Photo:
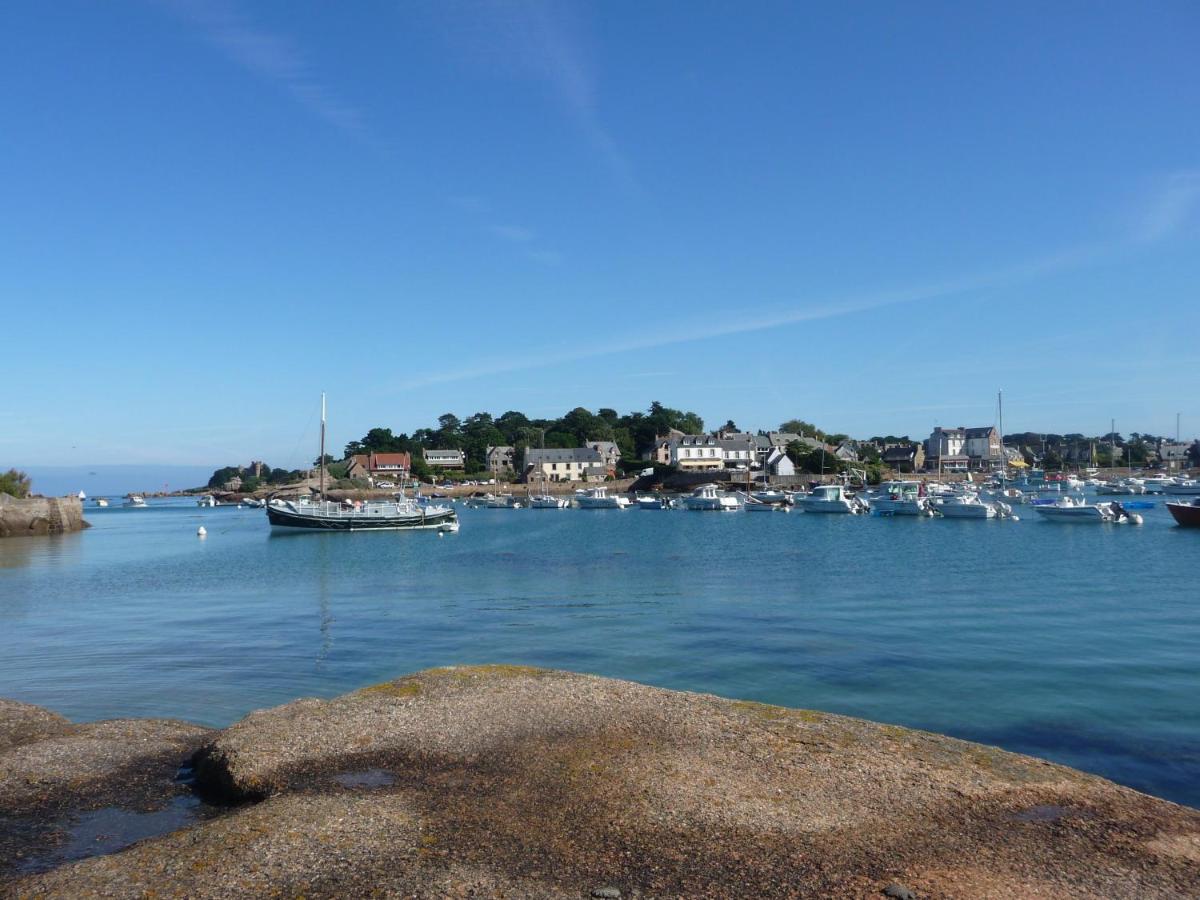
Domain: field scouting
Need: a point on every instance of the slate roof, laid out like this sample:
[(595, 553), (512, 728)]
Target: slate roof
[(535, 457)]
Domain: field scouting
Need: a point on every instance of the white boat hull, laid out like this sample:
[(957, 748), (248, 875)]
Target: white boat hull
[(711, 504), (548, 502), (887, 507), (967, 510), (602, 502), (1187, 489), (825, 506)]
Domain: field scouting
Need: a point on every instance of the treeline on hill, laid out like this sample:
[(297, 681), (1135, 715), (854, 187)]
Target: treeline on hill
[(1056, 451), (632, 433), (250, 482)]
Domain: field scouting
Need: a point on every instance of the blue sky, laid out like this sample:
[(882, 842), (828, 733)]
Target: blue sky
[(872, 217)]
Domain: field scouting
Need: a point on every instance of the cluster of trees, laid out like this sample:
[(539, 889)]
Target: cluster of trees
[(1056, 451), (14, 483), (266, 476), (632, 433)]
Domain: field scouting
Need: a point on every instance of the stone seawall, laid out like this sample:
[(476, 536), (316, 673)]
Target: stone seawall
[(40, 515)]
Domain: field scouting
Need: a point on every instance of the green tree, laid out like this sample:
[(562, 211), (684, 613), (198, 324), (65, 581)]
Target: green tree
[(222, 475), (802, 428), (251, 483), (14, 483), (814, 460)]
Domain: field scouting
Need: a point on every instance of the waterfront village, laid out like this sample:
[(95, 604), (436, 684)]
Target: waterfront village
[(583, 447)]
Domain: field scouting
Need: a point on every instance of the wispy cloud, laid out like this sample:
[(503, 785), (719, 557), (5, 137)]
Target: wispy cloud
[(1171, 206), (543, 40), (661, 335), (545, 257), (515, 233), (273, 57)]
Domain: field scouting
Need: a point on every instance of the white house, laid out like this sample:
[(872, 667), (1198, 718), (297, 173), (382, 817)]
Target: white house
[(696, 452), (944, 450), (445, 459), (739, 452)]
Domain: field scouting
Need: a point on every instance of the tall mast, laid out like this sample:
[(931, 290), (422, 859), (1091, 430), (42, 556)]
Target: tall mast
[(1112, 442), (322, 459), (1003, 452)]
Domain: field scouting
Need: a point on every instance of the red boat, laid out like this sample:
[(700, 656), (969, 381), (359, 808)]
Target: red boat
[(1186, 514)]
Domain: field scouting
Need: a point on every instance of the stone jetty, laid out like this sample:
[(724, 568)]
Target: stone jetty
[(497, 781), (40, 515)]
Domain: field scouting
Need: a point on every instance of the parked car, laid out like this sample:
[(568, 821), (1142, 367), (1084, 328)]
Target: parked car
[(384, 484)]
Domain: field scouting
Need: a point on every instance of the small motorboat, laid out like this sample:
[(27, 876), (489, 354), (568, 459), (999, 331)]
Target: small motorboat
[(774, 497), (598, 498), (753, 504), (654, 501), (709, 497), (548, 501), (900, 498), (1068, 509), (1183, 487), (964, 506), (207, 501), (1186, 514), (831, 498), (135, 501), (101, 501)]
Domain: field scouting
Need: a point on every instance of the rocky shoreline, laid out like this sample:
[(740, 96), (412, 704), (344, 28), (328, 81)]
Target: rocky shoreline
[(493, 781)]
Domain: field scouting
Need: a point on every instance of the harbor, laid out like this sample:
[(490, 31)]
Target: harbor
[(1068, 642)]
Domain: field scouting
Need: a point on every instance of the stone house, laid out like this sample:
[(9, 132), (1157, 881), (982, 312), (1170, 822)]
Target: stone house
[(499, 460), (609, 452), (904, 457), (571, 464)]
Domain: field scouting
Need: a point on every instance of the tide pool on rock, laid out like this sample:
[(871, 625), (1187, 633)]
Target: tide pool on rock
[(1078, 645)]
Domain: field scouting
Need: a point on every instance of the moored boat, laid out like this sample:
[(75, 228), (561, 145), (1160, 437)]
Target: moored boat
[(654, 501), (1183, 487), (548, 501), (831, 498), (401, 513), (964, 506), (709, 497), (1186, 514), (1068, 509), (378, 515), (899, 498), (598, 498)]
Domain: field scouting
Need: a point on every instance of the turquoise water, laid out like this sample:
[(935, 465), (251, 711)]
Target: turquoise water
[(1080, 643)]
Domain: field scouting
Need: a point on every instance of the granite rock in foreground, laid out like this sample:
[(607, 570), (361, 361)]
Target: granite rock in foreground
[(498, 781)]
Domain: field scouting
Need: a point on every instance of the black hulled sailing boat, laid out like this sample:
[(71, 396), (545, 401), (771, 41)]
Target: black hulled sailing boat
[(373, 515)]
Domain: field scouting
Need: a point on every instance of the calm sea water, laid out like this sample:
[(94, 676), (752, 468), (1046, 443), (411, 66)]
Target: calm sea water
[(1079, 643)]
